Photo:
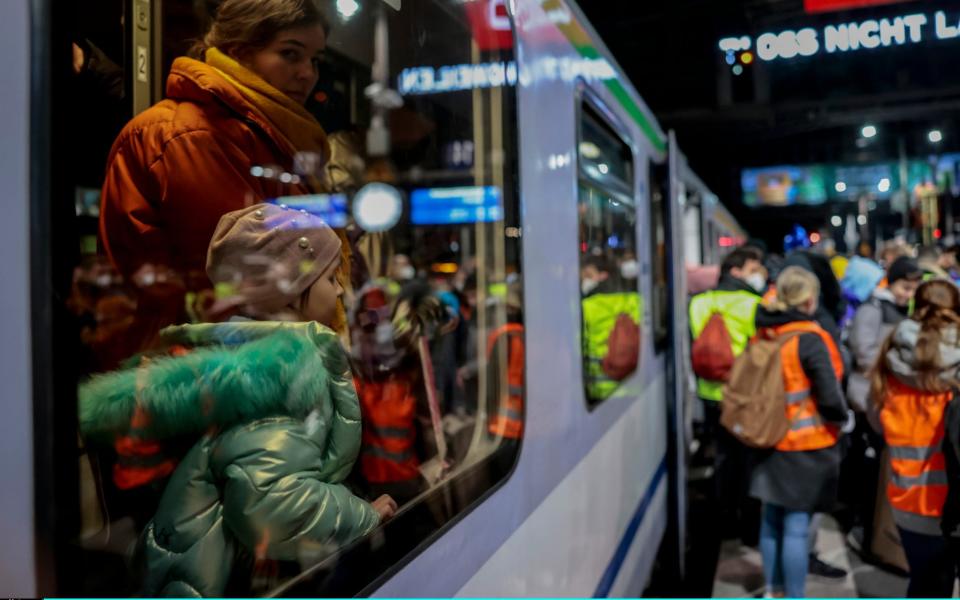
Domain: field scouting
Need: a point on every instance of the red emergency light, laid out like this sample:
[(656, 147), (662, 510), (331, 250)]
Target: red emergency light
[(821, 6)]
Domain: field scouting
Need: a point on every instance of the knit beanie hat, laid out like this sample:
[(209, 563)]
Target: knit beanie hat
[(904, 268), (270, 254)]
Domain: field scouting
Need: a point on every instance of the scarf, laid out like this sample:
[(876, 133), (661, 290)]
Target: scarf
[(290, 120)]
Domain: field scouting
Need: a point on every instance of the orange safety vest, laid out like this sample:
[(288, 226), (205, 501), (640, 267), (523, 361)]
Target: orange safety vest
[(140, 460), (913, 428), (389, 409), (507, 421), (807, 429)]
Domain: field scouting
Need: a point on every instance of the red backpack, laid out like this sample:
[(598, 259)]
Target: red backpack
[(623, 349), (712, 353)]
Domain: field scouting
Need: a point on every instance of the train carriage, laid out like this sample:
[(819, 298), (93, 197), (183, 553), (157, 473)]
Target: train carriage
[(513, 109)]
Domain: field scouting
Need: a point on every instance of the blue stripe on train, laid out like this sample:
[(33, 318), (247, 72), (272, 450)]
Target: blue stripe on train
[(613, 569)]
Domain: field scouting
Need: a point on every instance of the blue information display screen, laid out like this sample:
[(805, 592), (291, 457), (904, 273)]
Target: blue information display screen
[(332, 208), (448, 206)]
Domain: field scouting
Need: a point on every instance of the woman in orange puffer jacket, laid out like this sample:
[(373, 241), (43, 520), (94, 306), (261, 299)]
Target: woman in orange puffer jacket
[(179, 166)]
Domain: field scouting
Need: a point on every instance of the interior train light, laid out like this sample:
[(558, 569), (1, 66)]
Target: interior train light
[(589, 150), (347, 8)]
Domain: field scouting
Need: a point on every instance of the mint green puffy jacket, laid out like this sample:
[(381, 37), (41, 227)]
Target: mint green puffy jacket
[(279, 425)]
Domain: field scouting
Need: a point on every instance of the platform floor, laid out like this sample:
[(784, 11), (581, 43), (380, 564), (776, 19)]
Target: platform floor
[(739, 571)]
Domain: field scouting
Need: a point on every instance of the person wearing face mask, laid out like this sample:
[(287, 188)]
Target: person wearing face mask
[(735, 300), (872, 323), (629, 268), (799, 476), (605, 299)]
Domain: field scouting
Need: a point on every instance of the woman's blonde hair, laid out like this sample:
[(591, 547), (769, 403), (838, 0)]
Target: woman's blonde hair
[(795, 286), (242, 25)]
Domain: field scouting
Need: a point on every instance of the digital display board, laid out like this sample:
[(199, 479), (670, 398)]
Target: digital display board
[(818, 183), (332, 208), (783, 185), (448, 206)]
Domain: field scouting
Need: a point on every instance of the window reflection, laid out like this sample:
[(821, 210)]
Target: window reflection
[(364, 341), (610, 305)]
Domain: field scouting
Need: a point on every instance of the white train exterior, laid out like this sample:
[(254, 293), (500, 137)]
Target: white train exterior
[(595, 494)]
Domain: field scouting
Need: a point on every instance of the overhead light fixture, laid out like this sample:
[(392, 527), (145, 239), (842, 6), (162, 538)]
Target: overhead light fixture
[(377, 207), (884, 185), (935, 136), (347, 8), (840, 187), (836, 221), (868, 131)]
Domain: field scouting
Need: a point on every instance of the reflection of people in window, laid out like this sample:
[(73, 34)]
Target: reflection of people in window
[(272, 404), (611, 328), (180, 165)]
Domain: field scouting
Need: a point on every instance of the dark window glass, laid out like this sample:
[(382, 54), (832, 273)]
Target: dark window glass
[(610, 304)]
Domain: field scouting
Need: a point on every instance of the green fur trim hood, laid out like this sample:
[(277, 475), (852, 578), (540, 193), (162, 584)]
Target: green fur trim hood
[(236, 373)]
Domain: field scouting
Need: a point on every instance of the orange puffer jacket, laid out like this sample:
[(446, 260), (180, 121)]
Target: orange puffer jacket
[(179, 166)]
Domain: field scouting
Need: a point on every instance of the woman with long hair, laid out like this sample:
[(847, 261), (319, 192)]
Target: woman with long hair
[(913, 382), (799, 476), (227, 136)]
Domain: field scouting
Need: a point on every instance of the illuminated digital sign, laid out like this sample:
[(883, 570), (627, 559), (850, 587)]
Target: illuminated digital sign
[(815, 6), (458, 78), (448, 206), (331, 208), (867, 34)]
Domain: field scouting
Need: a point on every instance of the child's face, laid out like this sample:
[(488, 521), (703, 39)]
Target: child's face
[(321, 304)]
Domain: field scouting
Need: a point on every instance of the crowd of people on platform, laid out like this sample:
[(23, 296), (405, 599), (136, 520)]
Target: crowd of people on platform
[(858, 421)]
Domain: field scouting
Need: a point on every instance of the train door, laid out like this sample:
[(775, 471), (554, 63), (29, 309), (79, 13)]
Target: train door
[(663, 238)]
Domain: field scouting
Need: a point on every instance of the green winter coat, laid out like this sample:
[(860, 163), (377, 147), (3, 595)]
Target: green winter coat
[(279, 420)]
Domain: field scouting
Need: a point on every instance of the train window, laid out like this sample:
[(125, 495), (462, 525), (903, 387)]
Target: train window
[(660, 285), (232, 445), (610, 302)]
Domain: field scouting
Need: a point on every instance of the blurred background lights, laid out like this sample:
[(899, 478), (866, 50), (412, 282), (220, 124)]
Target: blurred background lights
[(377, 207)]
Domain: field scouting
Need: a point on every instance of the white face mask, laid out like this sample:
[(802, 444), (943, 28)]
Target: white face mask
[(588, 285), (629, 269), (406, 272), (756, 281)]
